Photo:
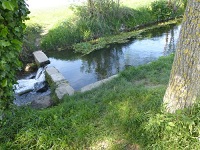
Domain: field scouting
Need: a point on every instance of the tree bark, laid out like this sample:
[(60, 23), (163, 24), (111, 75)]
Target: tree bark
[(184, 84)]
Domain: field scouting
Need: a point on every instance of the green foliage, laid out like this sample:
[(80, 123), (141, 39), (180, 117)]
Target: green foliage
[(174, 131), (164, 10), (63, 36), (12, 15), (103, 17), (107, 18), (161, 10)]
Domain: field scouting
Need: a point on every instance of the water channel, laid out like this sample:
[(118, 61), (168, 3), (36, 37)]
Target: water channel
[(80, 70), (83, 70)]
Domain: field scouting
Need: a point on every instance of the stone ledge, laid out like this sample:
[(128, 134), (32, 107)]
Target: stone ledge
[(64, 89), (97, 84), (51, 70), (59, 83)]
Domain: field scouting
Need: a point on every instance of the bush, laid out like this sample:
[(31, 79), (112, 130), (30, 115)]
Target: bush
[(12, 15), (161, 10), (164, 10)]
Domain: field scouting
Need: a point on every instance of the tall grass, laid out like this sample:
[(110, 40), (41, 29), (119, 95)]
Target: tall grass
[(31, 42), (104, 18), (125, 113)]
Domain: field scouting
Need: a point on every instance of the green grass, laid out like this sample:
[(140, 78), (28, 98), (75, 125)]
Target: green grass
[(125, 113), (48, 18), (105, 22)]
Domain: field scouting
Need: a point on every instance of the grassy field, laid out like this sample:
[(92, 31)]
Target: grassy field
[(125, 113), (47, 18)]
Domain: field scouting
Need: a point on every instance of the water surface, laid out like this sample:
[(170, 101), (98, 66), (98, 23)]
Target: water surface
[(83, 70)]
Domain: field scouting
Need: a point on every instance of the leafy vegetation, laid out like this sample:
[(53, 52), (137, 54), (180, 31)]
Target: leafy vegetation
[(125, 113), (104, 18), (12, 15)]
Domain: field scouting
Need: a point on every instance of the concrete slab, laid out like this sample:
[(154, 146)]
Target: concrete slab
[(40, 58), (57, 77), (63, 89), (51, 70), (97, 84)]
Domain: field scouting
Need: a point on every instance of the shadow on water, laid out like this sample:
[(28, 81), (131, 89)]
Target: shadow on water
[(83, 70)]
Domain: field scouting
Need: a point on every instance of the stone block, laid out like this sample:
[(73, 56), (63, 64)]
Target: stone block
[(51, 70), (97, 84), (40, 58), (54, 75), (57, 77), (63, 89)]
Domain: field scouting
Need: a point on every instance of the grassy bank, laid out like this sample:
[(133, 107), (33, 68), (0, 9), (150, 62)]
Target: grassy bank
[(108, 18), (63, 27), (125, 113)]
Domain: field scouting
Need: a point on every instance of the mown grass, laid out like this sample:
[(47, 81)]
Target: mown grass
[(125, 113), (49, 17)]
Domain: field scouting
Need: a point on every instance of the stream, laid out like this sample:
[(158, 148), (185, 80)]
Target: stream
[(83, 70), (80, 70)]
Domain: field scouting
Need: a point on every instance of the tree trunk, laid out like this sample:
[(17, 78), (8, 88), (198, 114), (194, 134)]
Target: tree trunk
[(184, 84)]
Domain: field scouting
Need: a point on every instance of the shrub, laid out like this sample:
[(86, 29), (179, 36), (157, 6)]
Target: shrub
[(62, 36), (164, 10), (161, 10)]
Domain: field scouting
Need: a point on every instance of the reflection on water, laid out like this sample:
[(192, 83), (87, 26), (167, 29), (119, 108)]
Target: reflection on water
[(83, 70)]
